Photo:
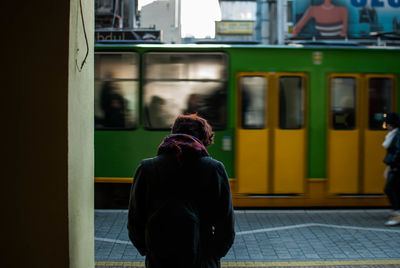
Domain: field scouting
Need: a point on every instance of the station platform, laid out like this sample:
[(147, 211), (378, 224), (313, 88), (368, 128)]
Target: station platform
[(277, 238)]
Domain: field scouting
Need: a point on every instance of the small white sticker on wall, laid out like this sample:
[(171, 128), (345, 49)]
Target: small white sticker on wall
[(317, 57), (227, 143)]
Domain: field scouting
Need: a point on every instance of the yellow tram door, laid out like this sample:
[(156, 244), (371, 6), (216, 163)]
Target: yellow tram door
[(271, 138), (357, 105), (380, 91)]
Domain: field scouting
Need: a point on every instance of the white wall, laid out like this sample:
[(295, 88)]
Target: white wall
[(165, 15)]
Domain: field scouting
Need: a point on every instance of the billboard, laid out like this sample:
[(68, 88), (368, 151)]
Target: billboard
[(234, 27), (344, 18), (127, 34)]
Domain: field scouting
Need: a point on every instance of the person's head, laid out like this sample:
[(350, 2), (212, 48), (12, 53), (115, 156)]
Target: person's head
[(194, 125), (392, 120)]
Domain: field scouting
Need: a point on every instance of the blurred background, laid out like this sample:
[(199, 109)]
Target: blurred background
[(261, 21)]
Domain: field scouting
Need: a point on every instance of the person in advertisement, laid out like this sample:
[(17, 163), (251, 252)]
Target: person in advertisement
[(330, 20)]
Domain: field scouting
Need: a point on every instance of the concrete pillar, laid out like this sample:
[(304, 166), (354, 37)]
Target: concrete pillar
[(281, 5), (46, 190)]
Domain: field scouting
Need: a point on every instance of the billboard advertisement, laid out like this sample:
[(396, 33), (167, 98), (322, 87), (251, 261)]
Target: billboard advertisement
[(344, 18), (234, 27), (127, 34)]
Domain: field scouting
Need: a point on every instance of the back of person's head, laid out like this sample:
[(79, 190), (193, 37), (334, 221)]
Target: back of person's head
[(194, 125), (393, 119)]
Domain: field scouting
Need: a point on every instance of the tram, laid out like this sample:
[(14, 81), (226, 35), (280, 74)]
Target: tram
[(295, 126)]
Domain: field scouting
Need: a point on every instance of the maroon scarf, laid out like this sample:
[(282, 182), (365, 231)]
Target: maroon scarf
[(183, 146)]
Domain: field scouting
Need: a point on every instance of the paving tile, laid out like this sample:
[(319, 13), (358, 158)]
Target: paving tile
[(285, 235)]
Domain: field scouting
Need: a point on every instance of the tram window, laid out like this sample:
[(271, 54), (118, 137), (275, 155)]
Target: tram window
[(343, 102), (380, 100), (291, 102), (116, 90), (184, 82), (253, 101), (185, 65), (116, 65)]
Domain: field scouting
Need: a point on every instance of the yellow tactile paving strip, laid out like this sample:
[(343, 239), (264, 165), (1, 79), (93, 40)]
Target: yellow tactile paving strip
[(361, 263)]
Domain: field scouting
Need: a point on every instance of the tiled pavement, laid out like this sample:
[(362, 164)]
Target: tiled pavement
[(278, 237)]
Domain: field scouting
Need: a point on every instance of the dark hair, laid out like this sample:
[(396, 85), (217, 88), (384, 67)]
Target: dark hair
[(194, 125), (392, 119)]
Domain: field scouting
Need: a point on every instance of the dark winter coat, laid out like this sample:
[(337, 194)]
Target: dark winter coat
[(392, 157), (206, 182)]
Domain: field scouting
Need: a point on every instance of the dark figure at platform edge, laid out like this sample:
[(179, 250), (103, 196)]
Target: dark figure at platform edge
[(180, 208), (392, 172)]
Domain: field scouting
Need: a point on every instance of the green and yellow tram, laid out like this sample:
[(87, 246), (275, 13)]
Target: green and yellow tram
[(295, 126)]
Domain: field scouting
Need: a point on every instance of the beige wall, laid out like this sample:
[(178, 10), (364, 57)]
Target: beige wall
[(80, 136), (46, 190)]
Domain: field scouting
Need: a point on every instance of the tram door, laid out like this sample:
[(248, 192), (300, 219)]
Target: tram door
[(271, 136), (357, 107)]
